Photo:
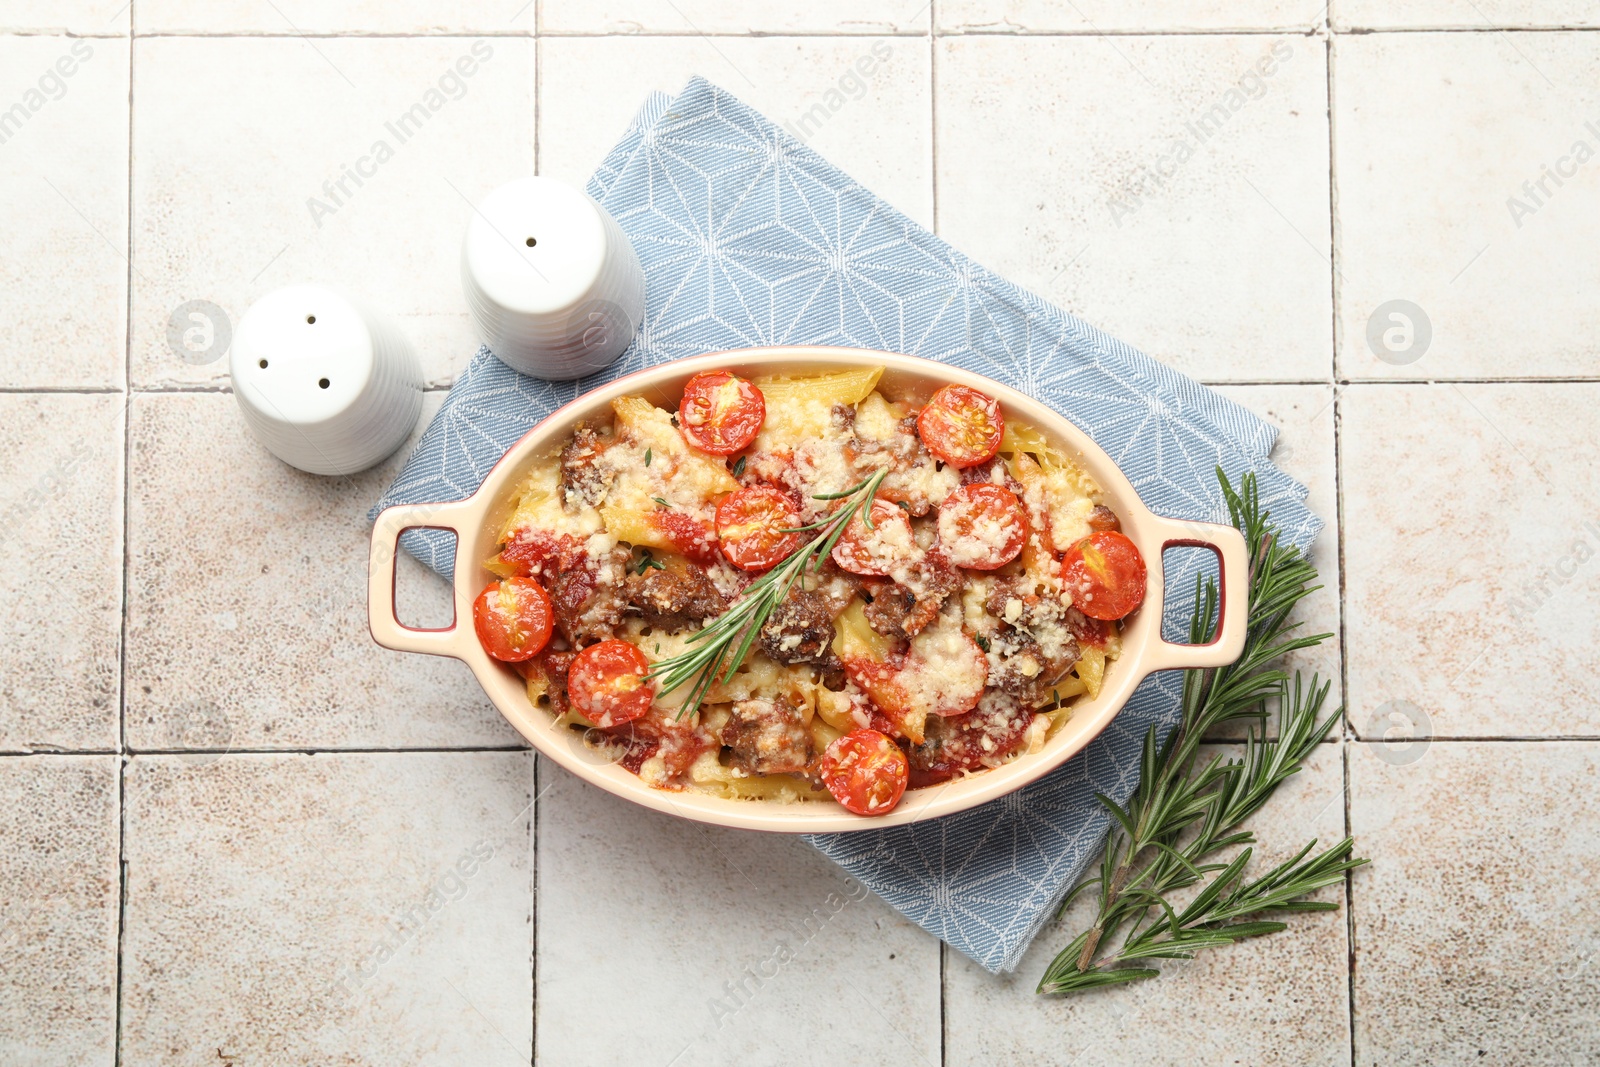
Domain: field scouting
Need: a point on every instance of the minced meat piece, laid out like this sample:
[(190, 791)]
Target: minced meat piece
[(1103, 518), (1024, 670), (799, 630), (906, 610), (674, 599), (767, 737), (582, 480), (588, 606), (891, 604)]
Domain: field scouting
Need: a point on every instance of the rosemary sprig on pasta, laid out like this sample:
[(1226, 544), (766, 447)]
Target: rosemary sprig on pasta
[(1188, 810), (718, 649)]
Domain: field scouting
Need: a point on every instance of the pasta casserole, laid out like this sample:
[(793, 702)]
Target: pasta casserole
[(800, 588)]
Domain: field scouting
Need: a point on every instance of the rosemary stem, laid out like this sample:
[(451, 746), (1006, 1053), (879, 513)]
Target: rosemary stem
[(721, 647)]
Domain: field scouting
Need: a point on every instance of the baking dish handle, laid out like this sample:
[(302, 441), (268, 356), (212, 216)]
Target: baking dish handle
[(1233, 595), (386, 627)]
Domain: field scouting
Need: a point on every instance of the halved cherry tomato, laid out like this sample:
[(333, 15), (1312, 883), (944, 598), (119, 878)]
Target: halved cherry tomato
[(693, 537), (750, 525), (539, 553), (865, 771), (513, 619), (720, 412), (606, 683), (982, 526), (961, 426), (1105, 575), (875, 552)]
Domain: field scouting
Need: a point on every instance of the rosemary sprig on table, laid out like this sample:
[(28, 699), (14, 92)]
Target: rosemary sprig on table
[(717, 650), (1185, 812)]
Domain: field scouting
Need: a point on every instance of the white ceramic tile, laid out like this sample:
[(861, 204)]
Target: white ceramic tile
[(1462, 14), (78, 17), (342, 17), (1475, 925), (239, 144), (862, 102), (1472, 523), (732, 946), (60, 570), (1442, 140), (58, 910), (247, 613), (1304, 415), (699, 17), (1140, 16), (1280, 999), (1057, 165), (64, 181), (372, 908)]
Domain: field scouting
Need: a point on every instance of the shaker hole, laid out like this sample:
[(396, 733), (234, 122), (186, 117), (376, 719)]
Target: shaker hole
[(310, 319), (322, 383), (263, 364), (531, 242)]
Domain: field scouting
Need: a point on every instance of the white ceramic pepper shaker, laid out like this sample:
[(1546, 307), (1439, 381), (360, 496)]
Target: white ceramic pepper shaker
[(555, 289), (325, 383)]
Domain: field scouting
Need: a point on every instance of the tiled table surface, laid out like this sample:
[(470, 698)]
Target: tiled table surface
[(234, 831)]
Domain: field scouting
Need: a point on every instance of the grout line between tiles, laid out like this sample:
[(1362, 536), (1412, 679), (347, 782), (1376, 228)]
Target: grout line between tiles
[(1353, 739), (1368, 31), (1241, 31), (222, 386), (122, 636), (533, 961), (68, 390), (1345, 733), (933, 126), (1349, 915)]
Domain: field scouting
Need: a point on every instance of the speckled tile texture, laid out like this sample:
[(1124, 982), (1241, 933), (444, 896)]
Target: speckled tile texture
[(60, 570), (59, 892), (235, 831), (1475, 929), (325, 915)]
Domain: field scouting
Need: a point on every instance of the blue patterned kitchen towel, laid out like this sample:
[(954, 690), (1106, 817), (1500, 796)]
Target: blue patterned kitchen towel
[(749, 238)]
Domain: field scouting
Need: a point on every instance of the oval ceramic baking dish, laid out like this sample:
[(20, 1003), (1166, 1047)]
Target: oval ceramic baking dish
[(477, 521)]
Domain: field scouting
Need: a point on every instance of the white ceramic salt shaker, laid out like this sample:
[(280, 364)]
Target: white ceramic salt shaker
[(555, 289), (325, 383)]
